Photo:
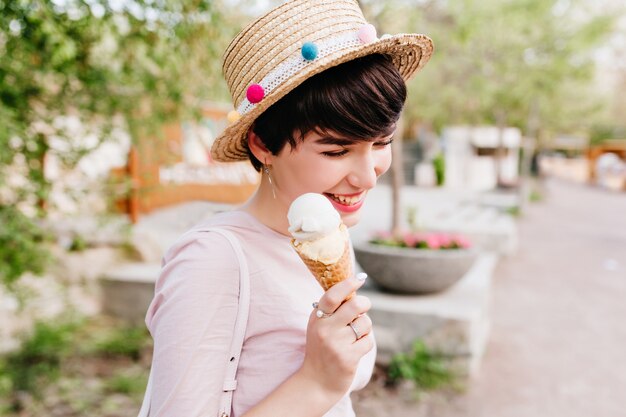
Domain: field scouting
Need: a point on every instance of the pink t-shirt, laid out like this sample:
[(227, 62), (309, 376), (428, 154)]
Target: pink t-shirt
[(192, 316)]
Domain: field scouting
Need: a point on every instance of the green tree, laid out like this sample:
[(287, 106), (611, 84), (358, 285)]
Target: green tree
[(504, 60), (523, 63), (132, 64)]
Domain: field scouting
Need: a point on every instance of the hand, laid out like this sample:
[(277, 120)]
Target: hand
[(332, 349)]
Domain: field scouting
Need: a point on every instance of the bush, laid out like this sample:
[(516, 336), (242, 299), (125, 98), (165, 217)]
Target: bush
[(39, 358), (125, 383), (439, 163), (127, 342), (21, 241), (429, 370)]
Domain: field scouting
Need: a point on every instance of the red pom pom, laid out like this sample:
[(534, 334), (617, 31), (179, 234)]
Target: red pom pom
[(255, 93)]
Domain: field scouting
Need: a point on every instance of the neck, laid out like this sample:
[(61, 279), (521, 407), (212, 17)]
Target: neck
[(270, 211)]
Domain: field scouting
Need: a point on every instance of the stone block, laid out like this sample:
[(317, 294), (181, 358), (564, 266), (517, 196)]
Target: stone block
[(128, 289), (455, 322)]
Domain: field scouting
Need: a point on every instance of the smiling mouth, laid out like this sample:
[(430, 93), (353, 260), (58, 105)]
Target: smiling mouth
[(345, 200)]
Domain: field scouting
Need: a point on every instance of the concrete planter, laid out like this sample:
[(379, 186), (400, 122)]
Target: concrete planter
[(414, 271)]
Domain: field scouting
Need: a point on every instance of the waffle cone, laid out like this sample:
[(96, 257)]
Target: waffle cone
[(331, 274)]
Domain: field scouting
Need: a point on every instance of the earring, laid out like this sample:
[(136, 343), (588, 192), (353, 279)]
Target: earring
[(266, 169)]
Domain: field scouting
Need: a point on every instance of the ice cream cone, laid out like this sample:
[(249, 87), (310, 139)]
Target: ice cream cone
[(320, 238), (329, 274)]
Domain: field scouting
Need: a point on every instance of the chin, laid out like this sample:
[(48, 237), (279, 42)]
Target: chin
[(351, 219)]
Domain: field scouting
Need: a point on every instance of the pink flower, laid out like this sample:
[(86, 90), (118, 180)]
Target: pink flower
[(384, 234), (462, 241), (444, 240), (420, 237), (433, 241), (410, 240)]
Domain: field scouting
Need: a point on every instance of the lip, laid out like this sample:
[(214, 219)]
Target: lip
[(344, 208)]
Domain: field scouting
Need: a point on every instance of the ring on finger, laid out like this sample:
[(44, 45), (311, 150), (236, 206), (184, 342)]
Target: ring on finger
[(319, 313), (355, 330)]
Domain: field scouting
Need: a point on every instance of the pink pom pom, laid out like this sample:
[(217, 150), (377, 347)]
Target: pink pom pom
[(367, 33), (255, 93)]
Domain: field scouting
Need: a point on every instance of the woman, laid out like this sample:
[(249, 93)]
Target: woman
[(317, 96)]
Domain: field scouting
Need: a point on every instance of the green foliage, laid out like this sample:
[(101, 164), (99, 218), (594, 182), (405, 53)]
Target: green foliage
[(429, 370), (439, 163), (125, 383), (421, 240), (59, 356), (78, 244), (514, 211), (411, 218), (39, 358), (523, 63), (535, 196), (77, 67), (21, 241), (125, 341), (602, 132)]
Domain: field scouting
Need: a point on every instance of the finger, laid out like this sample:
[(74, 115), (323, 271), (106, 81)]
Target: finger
[(359, 328), (336, 295), (363, 324), (352, 309), (364, 344)]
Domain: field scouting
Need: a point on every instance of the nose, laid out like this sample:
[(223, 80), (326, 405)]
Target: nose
[(366, 170)]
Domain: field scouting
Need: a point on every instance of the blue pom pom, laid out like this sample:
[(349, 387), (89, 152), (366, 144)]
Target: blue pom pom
[(309, 51)]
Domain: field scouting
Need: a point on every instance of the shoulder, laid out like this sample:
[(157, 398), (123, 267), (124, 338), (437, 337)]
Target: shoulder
[(201, 265), (206, 243), (201, 247)]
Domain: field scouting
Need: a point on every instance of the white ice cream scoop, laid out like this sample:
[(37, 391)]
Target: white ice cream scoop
[(311, 216)]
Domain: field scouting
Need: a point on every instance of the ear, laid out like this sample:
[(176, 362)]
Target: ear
[(258, 149)]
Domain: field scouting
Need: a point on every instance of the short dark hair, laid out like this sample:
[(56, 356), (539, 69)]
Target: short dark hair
[(360, 99)]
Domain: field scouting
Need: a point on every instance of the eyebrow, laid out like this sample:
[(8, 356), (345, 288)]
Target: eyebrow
[(329, 140)]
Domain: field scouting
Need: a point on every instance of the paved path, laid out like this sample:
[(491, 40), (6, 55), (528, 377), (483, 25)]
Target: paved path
[(558, 344)]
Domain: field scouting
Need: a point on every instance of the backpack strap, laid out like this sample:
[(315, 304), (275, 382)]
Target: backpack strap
[(241, 322)]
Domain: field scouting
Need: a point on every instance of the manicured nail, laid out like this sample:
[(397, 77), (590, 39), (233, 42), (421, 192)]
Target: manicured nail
[(361, 276)]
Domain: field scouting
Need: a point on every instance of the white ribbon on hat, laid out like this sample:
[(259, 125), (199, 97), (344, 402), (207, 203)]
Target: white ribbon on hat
[(297, 63)]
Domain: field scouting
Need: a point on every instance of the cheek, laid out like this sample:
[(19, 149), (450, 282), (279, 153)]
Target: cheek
[(310, 174), (383, 161), (318, 169)]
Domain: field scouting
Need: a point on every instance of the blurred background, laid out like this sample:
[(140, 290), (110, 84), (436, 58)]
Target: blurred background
[(512, 151)]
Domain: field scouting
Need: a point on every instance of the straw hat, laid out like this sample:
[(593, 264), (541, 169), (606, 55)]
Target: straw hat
[(291, 43)]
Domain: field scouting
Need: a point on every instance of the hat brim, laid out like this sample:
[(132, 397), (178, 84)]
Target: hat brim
[(408, 52)]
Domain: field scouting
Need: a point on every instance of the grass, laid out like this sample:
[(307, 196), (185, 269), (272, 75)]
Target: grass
[(76, 364), (39, 359), (429, 370), (124, 341), (535, 196), (514, 211), (127, 383)]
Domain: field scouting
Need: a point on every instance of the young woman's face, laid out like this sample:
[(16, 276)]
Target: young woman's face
[(343, 170)]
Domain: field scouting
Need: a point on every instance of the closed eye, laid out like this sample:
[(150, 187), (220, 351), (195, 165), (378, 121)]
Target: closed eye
[(335, 154), (383, 144)]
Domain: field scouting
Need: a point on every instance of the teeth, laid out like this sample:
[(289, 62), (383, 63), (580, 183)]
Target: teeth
[(348, 201)]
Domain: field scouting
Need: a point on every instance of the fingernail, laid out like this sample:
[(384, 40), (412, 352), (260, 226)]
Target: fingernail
[(361, 276)]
